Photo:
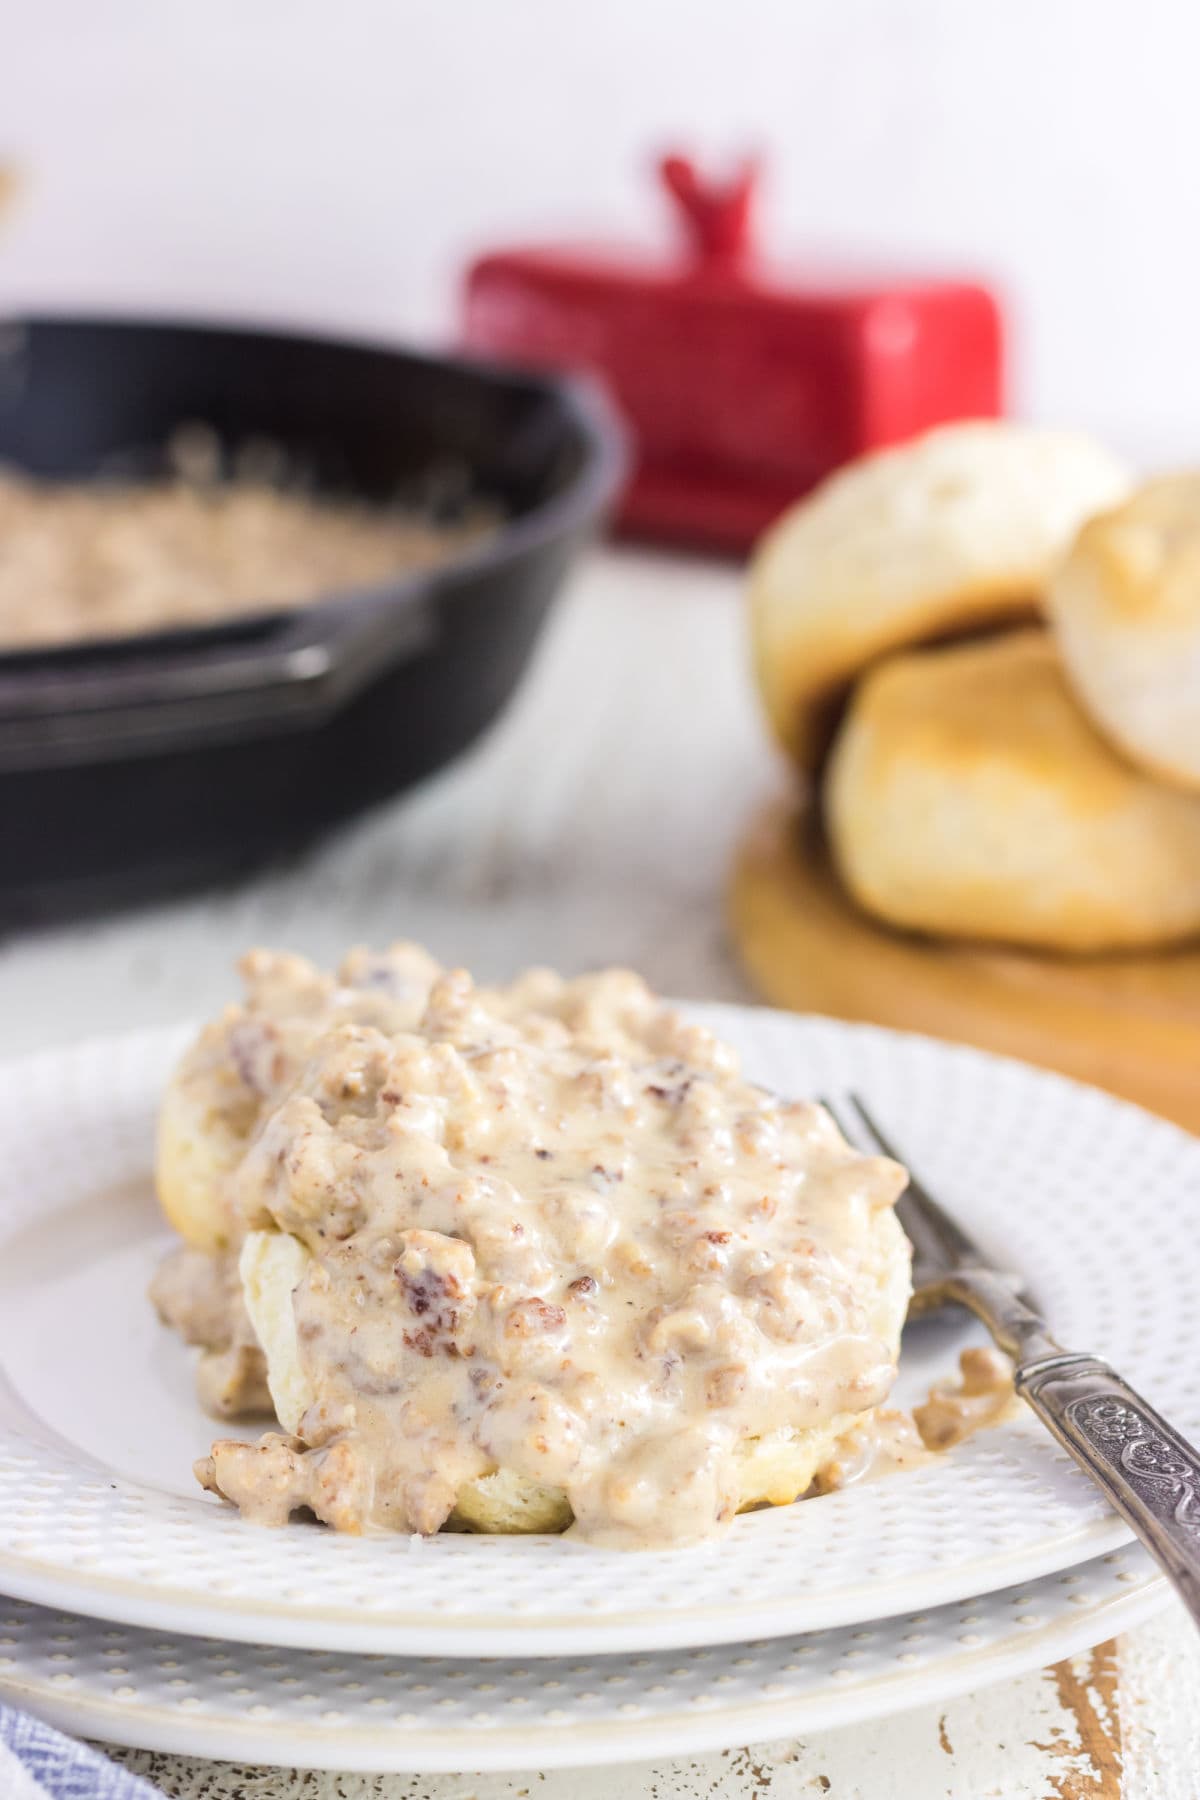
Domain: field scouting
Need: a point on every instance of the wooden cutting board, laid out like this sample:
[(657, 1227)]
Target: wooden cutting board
[(1129, 1023)]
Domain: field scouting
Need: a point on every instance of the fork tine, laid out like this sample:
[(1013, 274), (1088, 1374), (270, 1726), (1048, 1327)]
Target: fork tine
[(938, 1239), (837, 1117), (875, 1135), (884, 1145), (860, 1130)]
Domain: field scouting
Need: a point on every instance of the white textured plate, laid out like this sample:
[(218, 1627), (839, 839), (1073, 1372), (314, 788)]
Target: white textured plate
[(307, 1709), (1093, 1200)]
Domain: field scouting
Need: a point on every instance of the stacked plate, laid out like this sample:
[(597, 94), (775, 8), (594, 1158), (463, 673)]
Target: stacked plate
[(145, 1613)]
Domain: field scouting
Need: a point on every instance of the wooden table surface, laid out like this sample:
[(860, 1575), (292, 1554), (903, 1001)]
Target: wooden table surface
[(596, 824)]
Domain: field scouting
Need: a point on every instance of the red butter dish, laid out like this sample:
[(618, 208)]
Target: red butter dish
[(743, 382)]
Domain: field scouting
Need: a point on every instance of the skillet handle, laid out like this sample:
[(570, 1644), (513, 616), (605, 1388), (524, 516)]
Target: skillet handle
[(177, 691)]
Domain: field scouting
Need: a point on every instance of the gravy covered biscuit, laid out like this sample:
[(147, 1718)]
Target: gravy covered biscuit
[(542, 1257), (213, 1104), (1126, 607), (969, 794), (249, 1055), (956, 531)]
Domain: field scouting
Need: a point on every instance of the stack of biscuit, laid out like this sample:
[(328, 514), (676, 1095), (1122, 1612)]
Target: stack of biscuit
[(981, 652)]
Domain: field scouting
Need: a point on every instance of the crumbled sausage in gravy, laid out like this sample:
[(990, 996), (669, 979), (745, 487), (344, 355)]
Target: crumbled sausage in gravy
[(559, 1236), (982, 1397)]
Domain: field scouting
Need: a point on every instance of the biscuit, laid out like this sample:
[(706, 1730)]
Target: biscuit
[(969, 794), (952, 533), (1126, 607), (437, 1245), (243, 1060), (772, 1470)]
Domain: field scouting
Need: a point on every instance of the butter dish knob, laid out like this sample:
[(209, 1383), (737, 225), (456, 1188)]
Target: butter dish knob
[(716, 215)]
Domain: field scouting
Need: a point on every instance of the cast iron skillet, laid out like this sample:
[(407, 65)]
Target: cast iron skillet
[(135, 768)]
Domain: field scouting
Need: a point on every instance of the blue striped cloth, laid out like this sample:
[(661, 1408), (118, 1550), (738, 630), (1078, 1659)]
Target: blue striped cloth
[(39, 1763)]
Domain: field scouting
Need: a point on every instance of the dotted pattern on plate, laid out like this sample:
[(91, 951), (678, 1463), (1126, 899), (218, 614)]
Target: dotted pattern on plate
[(309, 1709), (1084, 1194)]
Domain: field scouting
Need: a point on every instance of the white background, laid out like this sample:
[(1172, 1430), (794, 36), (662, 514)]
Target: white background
[(337, 162)]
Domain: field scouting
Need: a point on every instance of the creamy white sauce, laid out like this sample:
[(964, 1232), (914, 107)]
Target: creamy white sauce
[(551, 1232)]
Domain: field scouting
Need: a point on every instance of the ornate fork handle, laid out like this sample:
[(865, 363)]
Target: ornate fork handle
[(1150, 1474)]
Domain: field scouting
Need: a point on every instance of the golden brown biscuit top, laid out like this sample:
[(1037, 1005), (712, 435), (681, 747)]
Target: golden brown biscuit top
[(1146, 553), (1004, 699), (924, 541)]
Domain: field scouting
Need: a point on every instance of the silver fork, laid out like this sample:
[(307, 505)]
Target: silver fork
[(1145, 1468)]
